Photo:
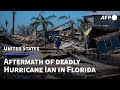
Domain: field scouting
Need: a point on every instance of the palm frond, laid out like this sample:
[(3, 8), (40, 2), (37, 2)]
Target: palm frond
[(35, 25), (86, 20), (35, 18), (42, 18), (80, 20), (50, 17), (33, 28), (41, 12), (50, 23), (63, 17)]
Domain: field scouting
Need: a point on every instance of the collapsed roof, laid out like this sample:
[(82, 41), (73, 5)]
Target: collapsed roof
[(107, 36)]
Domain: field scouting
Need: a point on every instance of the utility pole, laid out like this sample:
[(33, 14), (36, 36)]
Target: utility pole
[(13, 13), (6, 23)]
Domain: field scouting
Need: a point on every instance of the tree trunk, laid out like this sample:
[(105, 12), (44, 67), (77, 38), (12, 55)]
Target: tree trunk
[(45, 32), (72, 32)]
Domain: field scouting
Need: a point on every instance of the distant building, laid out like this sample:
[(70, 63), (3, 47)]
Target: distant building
[(108, 24), (61, 30), (56, 31)]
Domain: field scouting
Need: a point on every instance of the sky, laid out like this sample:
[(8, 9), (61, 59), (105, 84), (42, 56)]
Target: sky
[(24, 17)]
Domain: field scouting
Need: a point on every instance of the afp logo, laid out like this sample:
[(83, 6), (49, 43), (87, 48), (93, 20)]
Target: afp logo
[(109, 17)]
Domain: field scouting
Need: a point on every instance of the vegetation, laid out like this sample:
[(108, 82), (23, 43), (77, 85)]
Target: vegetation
[(43, 21), (71, 24), (85, 24), (23, 30)]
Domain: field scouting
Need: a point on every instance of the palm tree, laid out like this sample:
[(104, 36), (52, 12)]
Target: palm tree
[(71, 23), (85, 25), (44, 22)]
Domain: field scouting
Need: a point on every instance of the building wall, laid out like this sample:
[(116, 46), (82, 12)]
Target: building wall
[(101, 46), (97, 22)]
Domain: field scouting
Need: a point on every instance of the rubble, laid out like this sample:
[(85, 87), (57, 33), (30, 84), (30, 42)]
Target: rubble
[(70, 48)]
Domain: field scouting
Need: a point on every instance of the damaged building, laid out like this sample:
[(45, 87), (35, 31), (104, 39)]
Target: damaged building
[(95, 18), (105, 35), (108, 42)]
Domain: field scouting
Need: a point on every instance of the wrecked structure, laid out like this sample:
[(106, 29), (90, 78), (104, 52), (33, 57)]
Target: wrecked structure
[(65, 31), (104, 35), (9, 40), (108, 24), (104, 40), (108, 42)]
